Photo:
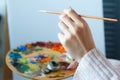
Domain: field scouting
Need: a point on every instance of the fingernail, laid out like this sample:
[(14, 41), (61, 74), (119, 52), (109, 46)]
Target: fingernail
[(67, 9), (60, 17), (68, 67)]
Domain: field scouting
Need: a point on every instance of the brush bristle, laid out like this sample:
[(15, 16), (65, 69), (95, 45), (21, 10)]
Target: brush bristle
[(44, 11)]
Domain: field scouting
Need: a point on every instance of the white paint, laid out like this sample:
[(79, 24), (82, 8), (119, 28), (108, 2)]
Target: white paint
[(27, 25)]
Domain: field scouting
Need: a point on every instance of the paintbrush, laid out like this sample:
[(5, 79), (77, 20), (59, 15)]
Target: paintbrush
[(85, 16)]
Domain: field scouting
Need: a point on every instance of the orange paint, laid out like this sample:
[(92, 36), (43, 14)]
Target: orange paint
[(62, 49), (47, 59), (58, 47), (28, 46)]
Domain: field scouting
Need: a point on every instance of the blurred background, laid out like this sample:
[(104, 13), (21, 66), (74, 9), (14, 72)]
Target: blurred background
[(20, 23)]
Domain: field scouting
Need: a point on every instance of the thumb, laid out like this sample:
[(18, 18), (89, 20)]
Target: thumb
[(73, 65)]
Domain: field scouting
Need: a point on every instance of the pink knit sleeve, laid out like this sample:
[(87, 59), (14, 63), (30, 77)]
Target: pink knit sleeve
[(94, 66)]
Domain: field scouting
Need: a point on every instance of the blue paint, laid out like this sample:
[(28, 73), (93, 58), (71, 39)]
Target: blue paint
[(15, 64), (22, 48), (41, 56), (14, 55)]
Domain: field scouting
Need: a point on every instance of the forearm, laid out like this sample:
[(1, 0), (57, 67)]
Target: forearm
[(94, 66)]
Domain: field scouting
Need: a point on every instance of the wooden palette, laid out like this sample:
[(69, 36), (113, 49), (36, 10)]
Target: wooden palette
[(18, 60)]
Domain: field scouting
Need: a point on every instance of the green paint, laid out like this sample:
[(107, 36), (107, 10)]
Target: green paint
[(23, 60), (23, 68), (16, 50), (38, 49)]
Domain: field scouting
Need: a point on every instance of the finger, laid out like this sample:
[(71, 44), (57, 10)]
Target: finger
[(61, 37), (63, 27), (73, 65), (72, 14), (67, 20), (63, 56)]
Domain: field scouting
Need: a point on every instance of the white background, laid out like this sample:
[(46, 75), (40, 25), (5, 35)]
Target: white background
[(27, 25)]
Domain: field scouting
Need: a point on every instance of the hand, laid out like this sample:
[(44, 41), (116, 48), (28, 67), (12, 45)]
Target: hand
[(73, 65), (75, 36)]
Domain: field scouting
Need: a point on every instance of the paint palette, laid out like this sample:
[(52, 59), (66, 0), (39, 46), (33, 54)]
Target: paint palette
[(40, 61)]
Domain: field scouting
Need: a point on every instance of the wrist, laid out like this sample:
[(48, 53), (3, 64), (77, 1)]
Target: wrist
[(90, 48), (78, 59)]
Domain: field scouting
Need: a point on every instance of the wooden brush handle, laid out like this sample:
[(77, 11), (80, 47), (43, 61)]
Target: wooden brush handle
[(86, 16)]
